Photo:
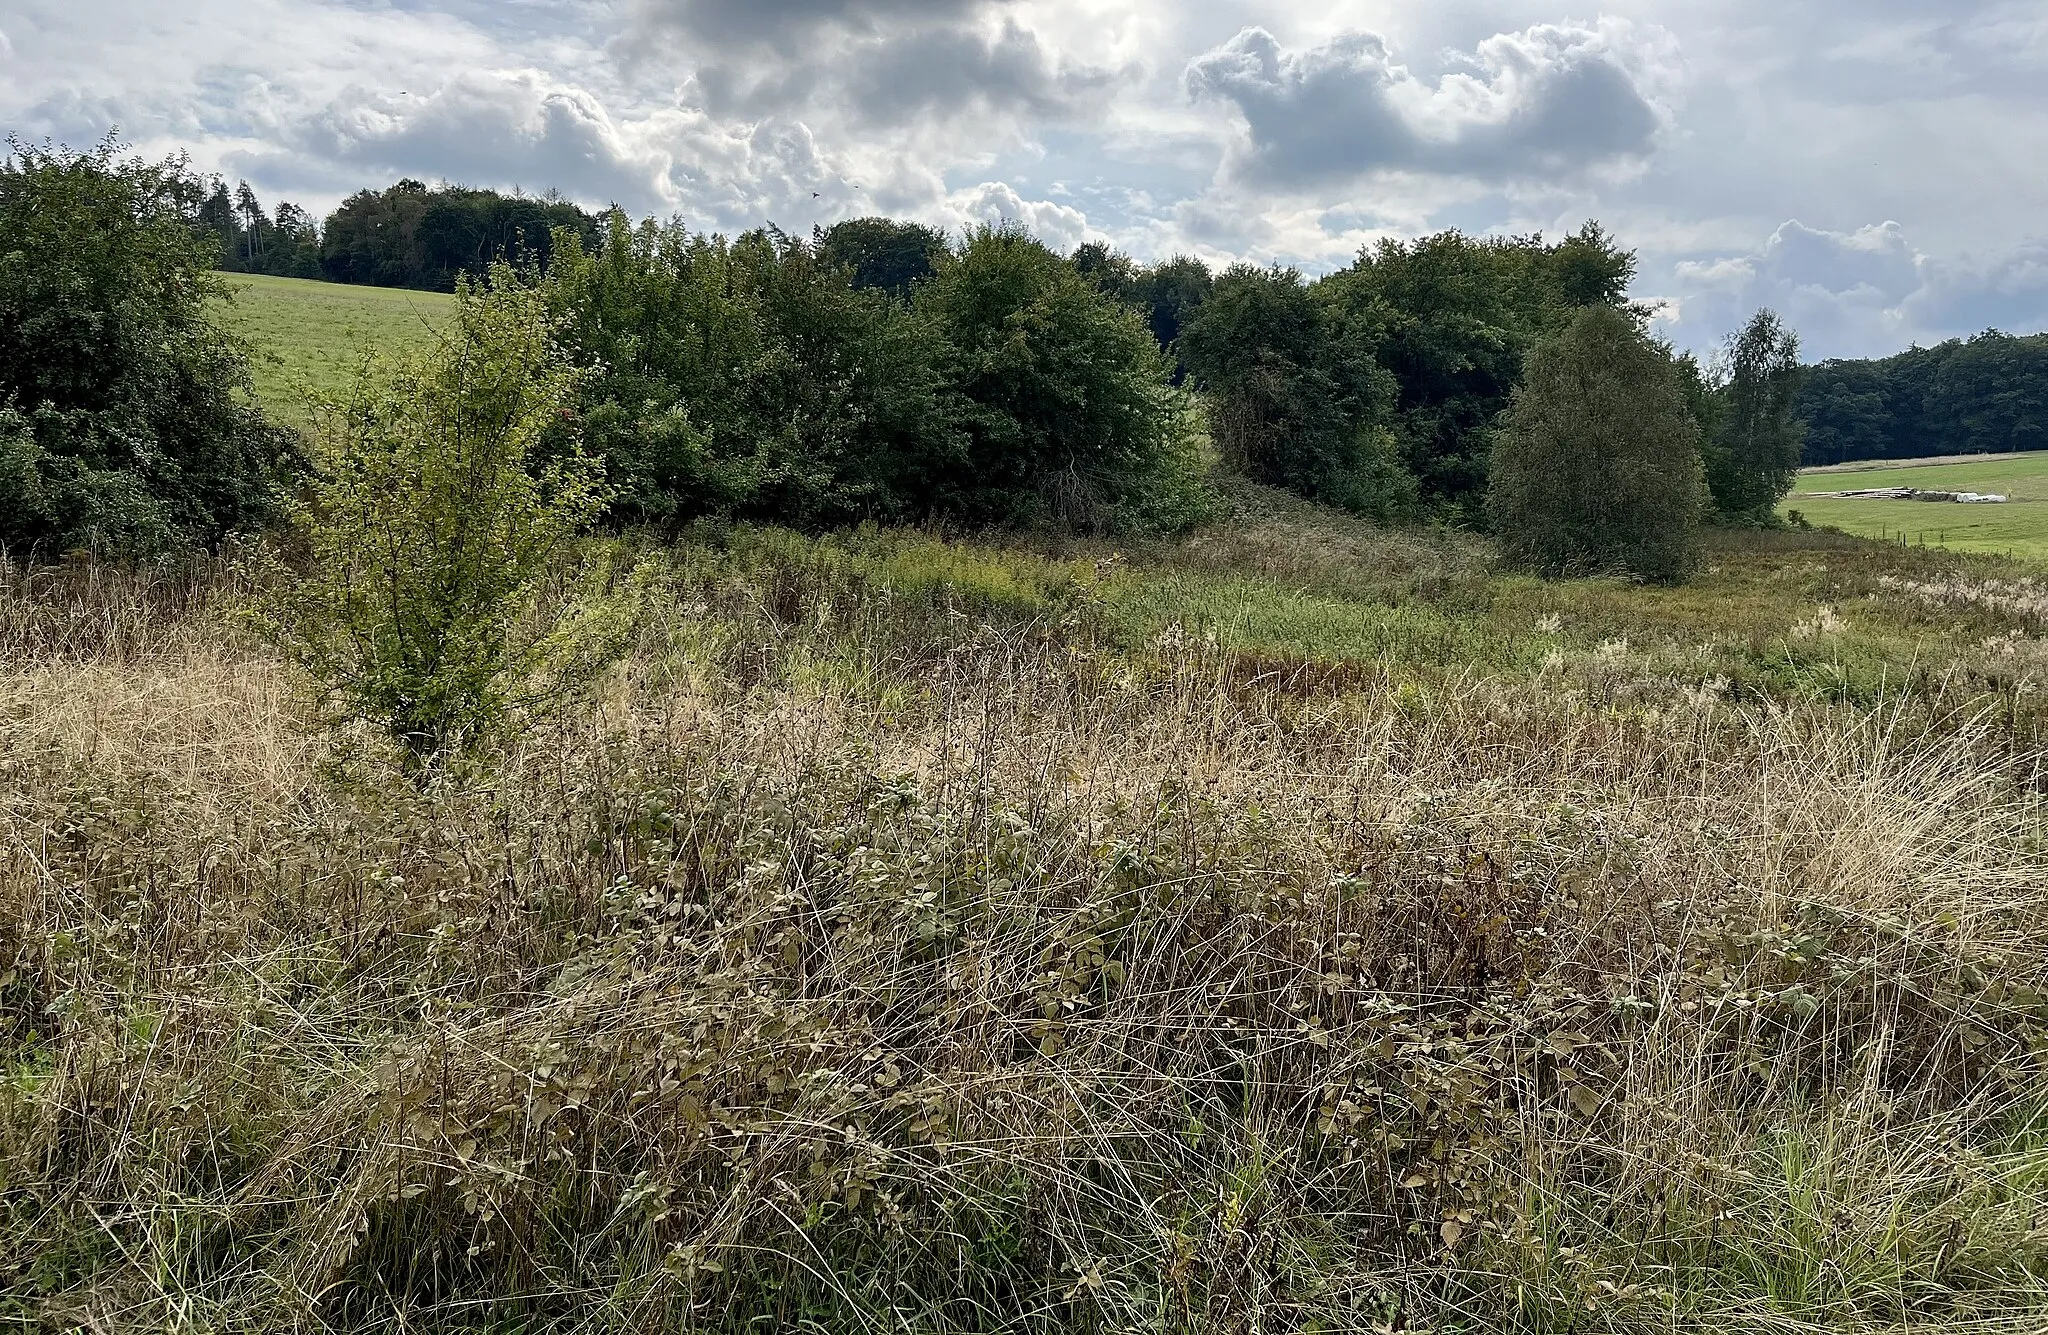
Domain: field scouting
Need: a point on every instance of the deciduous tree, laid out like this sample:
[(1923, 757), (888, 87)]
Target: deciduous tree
[(1595, 464)]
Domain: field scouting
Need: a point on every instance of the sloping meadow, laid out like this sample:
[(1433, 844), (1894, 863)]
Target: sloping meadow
[(920, 951)]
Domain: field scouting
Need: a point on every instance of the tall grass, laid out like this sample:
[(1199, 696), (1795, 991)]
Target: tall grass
[(914, 938)]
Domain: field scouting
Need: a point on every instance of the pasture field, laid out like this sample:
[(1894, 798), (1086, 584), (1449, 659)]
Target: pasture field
[(2018, 528), (309, 335)]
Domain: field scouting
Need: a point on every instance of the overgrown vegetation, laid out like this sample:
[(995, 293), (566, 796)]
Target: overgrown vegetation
[(878, 373), (1289, 926), (1290, 401), (125, 426), (1187, 908), (750, 378)]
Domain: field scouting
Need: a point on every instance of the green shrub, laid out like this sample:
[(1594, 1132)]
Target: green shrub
[(445, 493), (763, 378), (1595, 463), (1070, 412), (125, 421), (750, 378), (1293, 402)]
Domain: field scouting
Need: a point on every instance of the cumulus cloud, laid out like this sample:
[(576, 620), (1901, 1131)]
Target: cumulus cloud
[(1292, 144), (485, 127), (880, 63), (947, 70), (1061, 226), (1862, 293), (509, 128), (1546, 100), (731, 176)]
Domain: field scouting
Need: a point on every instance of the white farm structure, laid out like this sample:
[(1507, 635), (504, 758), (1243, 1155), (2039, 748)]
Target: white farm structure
[(1907, 494)]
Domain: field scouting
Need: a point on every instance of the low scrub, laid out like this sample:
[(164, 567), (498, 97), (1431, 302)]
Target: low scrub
[(883, 955), (447, 489)]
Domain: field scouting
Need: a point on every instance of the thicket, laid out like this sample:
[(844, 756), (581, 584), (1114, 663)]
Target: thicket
[(1168, 292), (1069, 409), (1291, 401), (126, 424), (1418, 344), (752, 378), (1596, 462), (1985, 395)]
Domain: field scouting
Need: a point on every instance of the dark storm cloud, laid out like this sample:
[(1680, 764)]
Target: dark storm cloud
[(1548, 100)]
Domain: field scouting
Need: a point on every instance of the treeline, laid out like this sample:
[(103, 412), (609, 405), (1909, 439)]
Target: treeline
[(876, 370), (415, 235), (1372, 388), (1985, 395), (1403, 358), (246, 237), (409, 235)]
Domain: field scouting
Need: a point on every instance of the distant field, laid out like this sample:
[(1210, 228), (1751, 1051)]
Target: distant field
[(309, 334), (2019, 527)]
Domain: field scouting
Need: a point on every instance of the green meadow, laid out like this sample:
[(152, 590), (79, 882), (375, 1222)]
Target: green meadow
[(310, 335), (2017, 528)]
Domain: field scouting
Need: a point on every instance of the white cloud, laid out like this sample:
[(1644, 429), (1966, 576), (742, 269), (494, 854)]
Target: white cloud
[(501, 127), (1061, 226), (1547, 100), (1695, 130), (1866, 292)]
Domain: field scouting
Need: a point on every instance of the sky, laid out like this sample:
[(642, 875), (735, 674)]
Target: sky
[(1873, 171)]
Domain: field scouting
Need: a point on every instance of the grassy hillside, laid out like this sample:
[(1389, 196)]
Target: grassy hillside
[(310, 335), (1295, 927), (2019, 528)]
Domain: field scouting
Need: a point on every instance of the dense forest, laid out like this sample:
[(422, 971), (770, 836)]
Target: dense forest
[(1985, 395)]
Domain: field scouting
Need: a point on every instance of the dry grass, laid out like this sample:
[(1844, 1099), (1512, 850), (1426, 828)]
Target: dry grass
[(907, 953)]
